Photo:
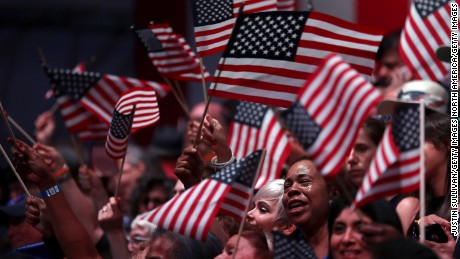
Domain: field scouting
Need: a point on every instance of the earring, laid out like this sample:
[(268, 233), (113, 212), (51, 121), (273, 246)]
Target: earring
[(330, 203)]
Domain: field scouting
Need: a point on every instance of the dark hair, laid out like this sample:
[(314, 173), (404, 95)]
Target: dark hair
[(188, 248), (401, 248), (389, 42), (380, 211), (144, 185), (374, 129), (437, 132)]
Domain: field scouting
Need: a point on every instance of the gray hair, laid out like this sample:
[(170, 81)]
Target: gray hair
[(273, 190)]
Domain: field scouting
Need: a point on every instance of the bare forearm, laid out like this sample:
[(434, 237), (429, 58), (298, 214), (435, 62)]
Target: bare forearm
[(72, 236)]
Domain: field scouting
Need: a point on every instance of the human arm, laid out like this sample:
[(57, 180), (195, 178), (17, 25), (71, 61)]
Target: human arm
[(72, 236), (111, 220), (80, 203)]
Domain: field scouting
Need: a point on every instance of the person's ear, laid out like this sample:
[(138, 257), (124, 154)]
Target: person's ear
[(285, 227)]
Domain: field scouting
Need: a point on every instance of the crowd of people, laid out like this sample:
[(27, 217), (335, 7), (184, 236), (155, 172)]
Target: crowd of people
[(75, 211)]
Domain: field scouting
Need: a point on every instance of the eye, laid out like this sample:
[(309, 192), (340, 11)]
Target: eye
[(338, 228), (264, 209), (287, 185)]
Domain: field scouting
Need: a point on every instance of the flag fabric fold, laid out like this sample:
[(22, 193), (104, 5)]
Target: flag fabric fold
[(225, 192), (255, 126), (329, 112), (427, 27), (286, 5), (96, 92), (171, 54), (395, 167), (147, 111), (117, 138), (271, 54), (213, 21)]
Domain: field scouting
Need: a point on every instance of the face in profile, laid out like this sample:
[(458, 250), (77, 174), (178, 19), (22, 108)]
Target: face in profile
[(264, 215), (346, 240), (305, 197), (360, 158)]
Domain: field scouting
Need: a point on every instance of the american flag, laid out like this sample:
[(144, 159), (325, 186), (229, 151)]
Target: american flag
[(171, 54), (93, 132), (147, 111), (75, 116), (100, 161), (96, 92), (117, 138), (396, 164), (427, 27), (79, 68), (293, 246), (271, 54), (286, 5), (213, 21), (329, 111), (255, 126), (225, 192)]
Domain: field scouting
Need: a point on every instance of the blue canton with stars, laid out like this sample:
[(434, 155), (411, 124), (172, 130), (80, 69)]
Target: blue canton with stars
[(251, 114), (206, 12), (67, 82), (301, 125), (406, 127), (427, 7), (149, 40), (293, 246), (121, 124), (268, 35), (242, 172)]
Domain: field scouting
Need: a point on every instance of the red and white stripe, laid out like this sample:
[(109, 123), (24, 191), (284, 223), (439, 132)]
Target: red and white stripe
[(276, 82), (390, 172), (213, 38), (103, 96), (147, 110), (338, 99), (286, 5), (420, 40), (244, 139), (191, 213), (93, 132), (177, 60)]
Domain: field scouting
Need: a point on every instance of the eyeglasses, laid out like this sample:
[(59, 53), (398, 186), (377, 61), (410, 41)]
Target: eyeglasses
[(137, 239)]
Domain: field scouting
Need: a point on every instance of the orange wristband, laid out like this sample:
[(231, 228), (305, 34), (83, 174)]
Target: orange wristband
[(60, 172)]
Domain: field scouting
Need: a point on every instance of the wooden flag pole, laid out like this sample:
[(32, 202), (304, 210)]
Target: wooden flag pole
[(203, 82), (54, 108), (240, 230), (20, 129), (8, 125), (422, 171), (176, 95), (197, 137), (181, 94), (14, 171), (120, 171)]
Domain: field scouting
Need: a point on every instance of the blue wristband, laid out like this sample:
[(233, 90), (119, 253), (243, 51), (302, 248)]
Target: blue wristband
[(50, 191)]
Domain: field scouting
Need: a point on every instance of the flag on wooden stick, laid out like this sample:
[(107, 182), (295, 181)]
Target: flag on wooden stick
[(329, 112), (271, 54), (427, 28), (226, 192), (396, 164)]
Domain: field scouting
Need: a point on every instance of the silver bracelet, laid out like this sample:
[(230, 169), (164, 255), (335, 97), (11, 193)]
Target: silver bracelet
[(218, 165)]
